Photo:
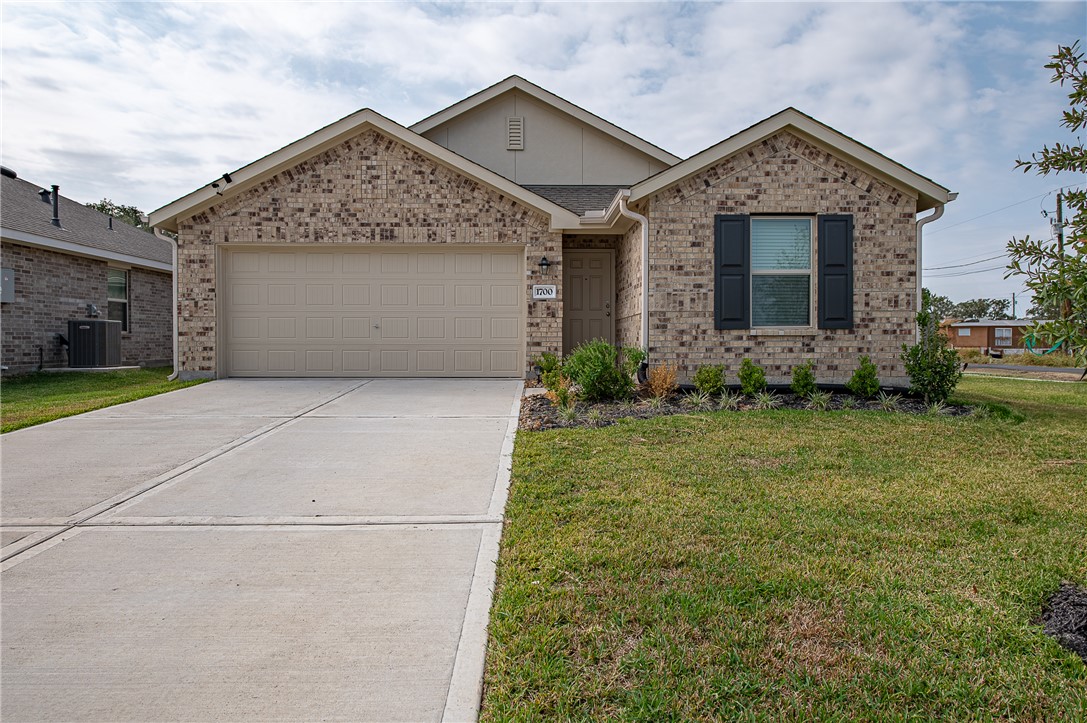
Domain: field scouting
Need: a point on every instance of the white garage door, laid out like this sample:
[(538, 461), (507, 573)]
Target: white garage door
[(364, 311)]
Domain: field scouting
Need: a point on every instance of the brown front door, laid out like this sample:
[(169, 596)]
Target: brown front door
[(588, 311)]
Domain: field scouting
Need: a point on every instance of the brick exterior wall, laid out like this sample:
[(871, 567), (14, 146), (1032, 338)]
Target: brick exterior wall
[(52, 287), (783, 174), (369, 189)]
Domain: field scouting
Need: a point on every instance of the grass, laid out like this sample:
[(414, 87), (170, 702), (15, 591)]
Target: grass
[(32, 399), (796, 565), (1056, 359)]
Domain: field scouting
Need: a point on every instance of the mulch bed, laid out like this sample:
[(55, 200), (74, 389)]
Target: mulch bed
[(1065, 618), (538, 413)]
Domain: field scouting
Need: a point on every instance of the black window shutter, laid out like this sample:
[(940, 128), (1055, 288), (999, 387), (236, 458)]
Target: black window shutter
[(732, 269), (836, 272)]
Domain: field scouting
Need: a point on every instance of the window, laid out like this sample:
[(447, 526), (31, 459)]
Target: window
[(964, 332), (1003, 336), (117, 296), (764, 272), (780, 272)]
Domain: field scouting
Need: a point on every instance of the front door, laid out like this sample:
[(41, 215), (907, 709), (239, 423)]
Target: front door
[(588, 281)]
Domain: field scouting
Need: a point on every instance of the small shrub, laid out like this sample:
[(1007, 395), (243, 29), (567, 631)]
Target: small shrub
[(729, 400), (654, 403), (803, 380), (972, 356), (767, 400), (819, 401), (561, 390), (889, 402), (594, 368), (848, 402), (568, 412), (547, 362), (595, 417), (865, 380), (633, 357), (710, 379), (937, 407), (934, 369), (752, 378), (661, 380), (697, 400)]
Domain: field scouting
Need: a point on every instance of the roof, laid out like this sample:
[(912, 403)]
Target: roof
[(547, 97), (25, 218), (578, 199), (331, 135), (993, 322), (930, 194)]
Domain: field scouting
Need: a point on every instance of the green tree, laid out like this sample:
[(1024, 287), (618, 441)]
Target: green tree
[(129, 214), (981, 309), (940, 306), (1056, 275)]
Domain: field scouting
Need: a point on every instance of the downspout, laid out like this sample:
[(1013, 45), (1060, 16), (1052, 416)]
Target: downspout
[(936, 214), (173, 297), (623, 196)]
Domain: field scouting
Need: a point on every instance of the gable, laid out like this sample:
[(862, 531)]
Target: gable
[(558, 148)]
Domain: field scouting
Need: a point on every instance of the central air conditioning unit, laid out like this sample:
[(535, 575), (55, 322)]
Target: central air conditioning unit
[(94, 343)]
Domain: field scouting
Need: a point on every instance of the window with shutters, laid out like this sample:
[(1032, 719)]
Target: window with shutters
[(764, 271), (780, 272), (117, 296)]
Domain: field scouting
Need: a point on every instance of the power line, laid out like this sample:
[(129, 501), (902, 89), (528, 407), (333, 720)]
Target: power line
[(990, 213), (966, 273), (956, 266)]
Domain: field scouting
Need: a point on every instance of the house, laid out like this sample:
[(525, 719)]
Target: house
[(987, 335), (515, 222), (62, 260)]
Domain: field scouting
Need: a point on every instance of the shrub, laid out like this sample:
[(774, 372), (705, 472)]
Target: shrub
[(547, 362), (568, 413), (697, 400), (710, 379), (889, 402), (848, 402), (594, 367), (803, 380), (730, 400), (934, 369), (560, 391), (661, 380), (633, 356), (752, 378), (865, 382), (819, 401), (767, 400)]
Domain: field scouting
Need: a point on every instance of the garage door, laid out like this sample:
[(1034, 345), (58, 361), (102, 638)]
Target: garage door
[(391, 312)]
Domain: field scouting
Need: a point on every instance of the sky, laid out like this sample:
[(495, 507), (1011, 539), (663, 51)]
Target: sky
[(145, 102)]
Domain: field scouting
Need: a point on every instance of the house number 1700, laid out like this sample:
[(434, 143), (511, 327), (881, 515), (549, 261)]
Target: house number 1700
[(547, 291)]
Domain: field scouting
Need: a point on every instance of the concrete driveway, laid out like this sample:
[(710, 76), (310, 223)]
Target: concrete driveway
[(256, 550)]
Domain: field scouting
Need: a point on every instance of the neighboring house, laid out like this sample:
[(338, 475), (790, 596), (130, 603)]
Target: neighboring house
[(53, 272), (372, 249), (986, 334)]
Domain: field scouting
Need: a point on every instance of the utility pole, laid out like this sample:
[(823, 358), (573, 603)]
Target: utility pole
[(1013, 306), (1066, 304)]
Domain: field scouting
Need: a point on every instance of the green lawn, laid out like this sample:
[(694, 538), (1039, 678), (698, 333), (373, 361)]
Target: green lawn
[(44, 396), (795, 565)]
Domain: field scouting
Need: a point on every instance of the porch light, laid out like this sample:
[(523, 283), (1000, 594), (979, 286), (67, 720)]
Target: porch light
[(544, 265)]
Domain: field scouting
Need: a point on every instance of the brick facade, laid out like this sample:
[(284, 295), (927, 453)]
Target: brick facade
[(783, 174), (370, 189), (53, 287)]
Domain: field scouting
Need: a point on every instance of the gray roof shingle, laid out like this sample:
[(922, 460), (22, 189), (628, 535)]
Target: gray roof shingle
[(578, 199), (21, 209)]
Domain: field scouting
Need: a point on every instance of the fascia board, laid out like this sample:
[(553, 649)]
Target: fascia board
[(76, 249), (330, 136), (548, 98), (930, 193)]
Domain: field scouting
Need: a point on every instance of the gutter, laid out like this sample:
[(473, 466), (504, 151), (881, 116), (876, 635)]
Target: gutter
[(644, 222), (173, 298), (936, 214)]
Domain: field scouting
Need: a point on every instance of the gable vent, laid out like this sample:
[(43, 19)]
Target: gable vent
[(515, 134)]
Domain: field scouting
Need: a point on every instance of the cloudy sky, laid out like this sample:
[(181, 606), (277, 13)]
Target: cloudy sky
[(145, 102)]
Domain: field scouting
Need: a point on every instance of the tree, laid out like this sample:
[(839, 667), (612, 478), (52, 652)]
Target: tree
[(129, 214), (981, 309), (940, 306), (1055, 272)]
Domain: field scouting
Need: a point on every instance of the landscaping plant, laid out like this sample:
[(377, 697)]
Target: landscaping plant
[(803, 380), (697, 400), (661, 380), (767, 400), (594, 367), (752, 378), (710, 379), (819, 401), (934, 369), (864, 383), (730, 400)]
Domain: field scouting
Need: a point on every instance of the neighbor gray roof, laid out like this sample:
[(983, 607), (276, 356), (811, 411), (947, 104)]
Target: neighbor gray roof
[(578, 199), (994, 322), (21, 209)]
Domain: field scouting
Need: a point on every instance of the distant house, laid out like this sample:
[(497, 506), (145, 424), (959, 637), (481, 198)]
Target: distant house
[(987, 334), (73, 265)]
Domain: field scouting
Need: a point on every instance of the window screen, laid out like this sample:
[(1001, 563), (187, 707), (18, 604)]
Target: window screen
[(780, 272)]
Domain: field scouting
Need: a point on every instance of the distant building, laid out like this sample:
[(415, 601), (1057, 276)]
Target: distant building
[(987, 334)]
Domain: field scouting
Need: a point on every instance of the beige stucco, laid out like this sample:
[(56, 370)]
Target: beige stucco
[(558, 148)]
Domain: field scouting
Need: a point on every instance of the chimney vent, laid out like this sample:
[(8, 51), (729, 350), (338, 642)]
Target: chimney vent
[(56, 205), (44, 193)]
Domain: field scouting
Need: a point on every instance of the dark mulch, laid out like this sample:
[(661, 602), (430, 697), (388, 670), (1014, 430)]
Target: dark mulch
[(1065, 618), (537, 412)]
